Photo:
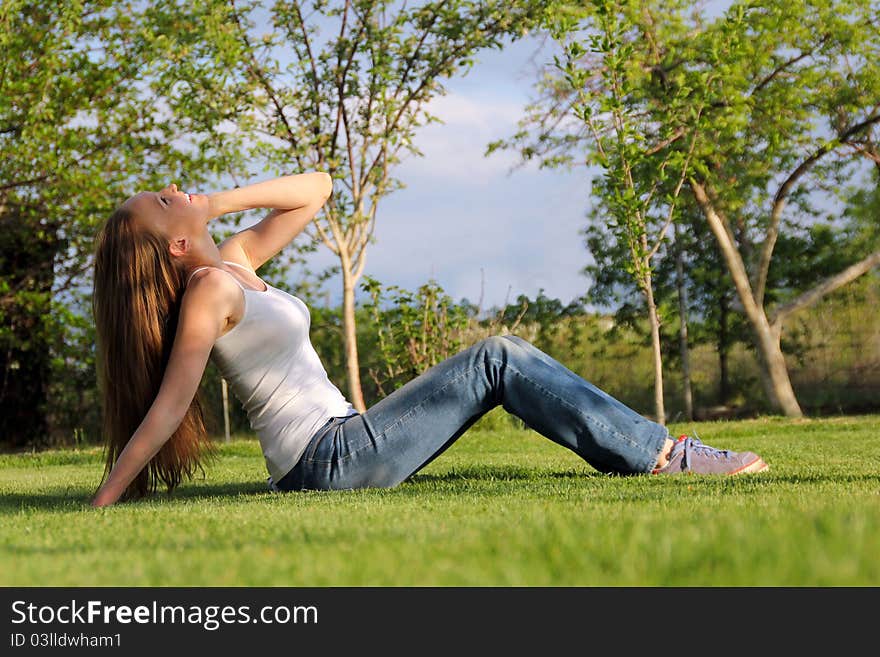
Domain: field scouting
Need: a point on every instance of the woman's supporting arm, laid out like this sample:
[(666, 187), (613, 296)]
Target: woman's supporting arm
[(206, 304), (295, 200)]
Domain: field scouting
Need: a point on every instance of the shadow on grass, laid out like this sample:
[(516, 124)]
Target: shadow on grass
[(64, 501), (497, 473), (75, 501), (513, 473)]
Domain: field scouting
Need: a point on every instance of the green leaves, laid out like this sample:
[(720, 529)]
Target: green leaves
[(415, 330), (765, 86), (608, 82), (79, 132)]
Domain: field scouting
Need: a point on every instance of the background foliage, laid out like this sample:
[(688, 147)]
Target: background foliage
[(101, 98)]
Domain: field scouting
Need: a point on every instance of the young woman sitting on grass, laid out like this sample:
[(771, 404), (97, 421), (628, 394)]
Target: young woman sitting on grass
[(167, 298)]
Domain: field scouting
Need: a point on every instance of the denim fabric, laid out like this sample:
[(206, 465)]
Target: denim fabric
[(406, 430)]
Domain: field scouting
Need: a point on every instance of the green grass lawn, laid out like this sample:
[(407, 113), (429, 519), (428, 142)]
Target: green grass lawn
[(499, 508)]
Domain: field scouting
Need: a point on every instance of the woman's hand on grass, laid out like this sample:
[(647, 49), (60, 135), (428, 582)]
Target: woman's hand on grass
[(104, 498)]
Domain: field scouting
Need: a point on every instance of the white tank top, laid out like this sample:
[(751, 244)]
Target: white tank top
[(275, 373)]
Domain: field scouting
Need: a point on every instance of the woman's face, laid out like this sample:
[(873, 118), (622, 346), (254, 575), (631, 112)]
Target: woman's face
[(171, 213)]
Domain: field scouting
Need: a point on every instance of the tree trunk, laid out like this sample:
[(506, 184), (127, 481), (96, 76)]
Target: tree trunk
[(683, 331), (654, 319), (774, 372), (355, 394), (723, 350)]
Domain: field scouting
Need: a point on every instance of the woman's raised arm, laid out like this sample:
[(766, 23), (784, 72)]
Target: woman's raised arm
[(294, 200), (204, 308)]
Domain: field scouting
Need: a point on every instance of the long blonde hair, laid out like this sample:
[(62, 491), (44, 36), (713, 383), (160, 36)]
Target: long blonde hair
[(138, 288)]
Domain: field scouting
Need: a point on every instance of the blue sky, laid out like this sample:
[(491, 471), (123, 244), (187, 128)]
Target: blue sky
[(463, 216), (461, 212)]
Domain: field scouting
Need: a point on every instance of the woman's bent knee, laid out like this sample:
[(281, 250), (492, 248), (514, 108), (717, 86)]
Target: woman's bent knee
[(494, 344)]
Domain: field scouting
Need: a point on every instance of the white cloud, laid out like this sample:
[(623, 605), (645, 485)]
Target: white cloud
[(461, 211), (456, 108), (453, 150)]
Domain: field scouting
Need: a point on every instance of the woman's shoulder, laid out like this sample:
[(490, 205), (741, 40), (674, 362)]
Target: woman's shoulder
[(206, 279), (211, 283), (231, 252), (213, 293)]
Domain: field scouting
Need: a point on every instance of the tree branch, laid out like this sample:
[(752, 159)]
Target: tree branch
[(824, 288), (866, 152), (322, 233), (411, 60), (760, 284), (341, 112), (781, 68), (427, 79), (666, 142), (257, 73), (721, 228), (316, 126), (340, 82), (22, 183), (681, 179)]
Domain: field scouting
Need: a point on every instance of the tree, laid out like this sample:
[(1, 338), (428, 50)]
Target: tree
[(349, 104), (642, 176), (75, 133), (694, 276), (789, 100), (820, 70)]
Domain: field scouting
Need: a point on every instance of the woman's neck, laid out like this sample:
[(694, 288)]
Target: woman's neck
[(203, 253)]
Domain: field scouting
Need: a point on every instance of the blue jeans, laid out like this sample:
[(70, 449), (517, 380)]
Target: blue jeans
[(406, 430)]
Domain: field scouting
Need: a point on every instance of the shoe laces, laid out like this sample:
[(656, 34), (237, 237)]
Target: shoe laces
[(694, 446)]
